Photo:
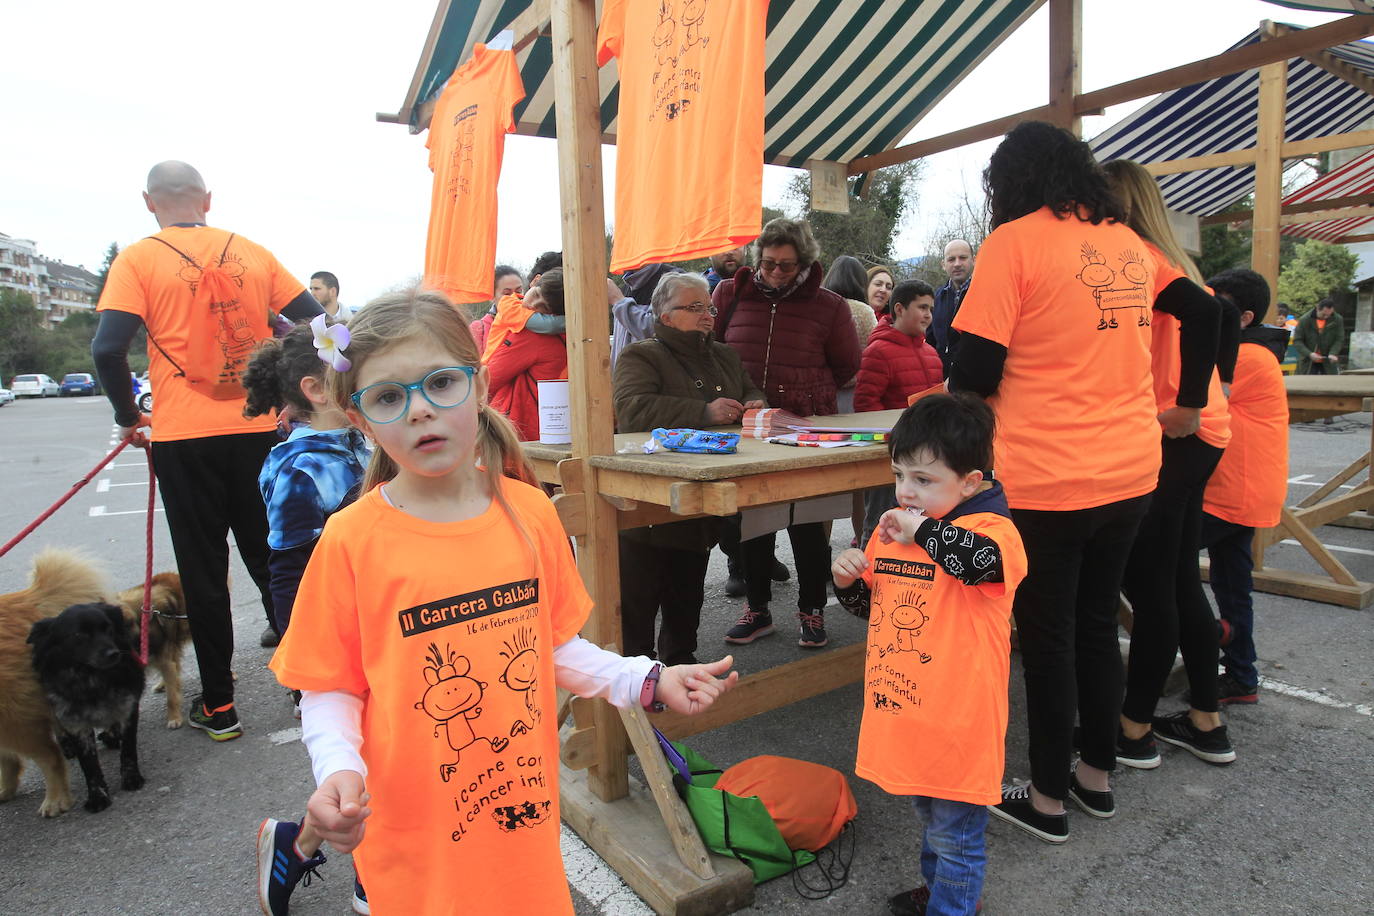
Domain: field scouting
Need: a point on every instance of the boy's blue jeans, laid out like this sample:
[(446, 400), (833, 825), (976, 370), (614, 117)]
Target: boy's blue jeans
[(1232, 565), (953, 854)]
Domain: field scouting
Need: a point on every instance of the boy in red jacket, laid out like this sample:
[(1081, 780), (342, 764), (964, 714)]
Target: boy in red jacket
[(896, 364)]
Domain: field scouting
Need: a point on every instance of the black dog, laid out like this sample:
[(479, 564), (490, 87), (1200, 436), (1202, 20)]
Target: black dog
[(83, 661)]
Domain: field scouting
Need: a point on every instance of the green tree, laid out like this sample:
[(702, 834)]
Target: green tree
[(110, 254), (21, 344), (869, 229), (1317, 270), (1224, 248)]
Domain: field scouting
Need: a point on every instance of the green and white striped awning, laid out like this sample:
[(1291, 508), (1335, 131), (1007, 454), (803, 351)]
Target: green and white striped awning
[(844, 78)]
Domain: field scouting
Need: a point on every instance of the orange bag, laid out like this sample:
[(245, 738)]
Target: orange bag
[(809, 802)]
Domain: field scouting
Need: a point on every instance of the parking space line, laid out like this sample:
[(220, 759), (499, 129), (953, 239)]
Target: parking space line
[(1336, 547), (1313, 696), (101, 511), (104, 485)]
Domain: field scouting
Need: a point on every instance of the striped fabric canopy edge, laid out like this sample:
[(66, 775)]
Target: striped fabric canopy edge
[(1222, 114), (828, 95), (1355, 177)]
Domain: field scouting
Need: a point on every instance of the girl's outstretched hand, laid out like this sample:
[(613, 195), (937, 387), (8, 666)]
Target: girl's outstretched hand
[(690, 689), (338, 808)]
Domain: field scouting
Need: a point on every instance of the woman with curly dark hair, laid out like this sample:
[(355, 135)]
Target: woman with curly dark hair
[(1056, 335)]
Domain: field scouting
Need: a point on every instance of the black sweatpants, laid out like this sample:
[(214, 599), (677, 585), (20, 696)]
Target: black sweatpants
[(1065, 611), (1165, 588), (659, 579), (209, 488)]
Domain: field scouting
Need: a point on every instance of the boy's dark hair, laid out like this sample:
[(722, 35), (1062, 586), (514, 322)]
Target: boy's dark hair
[(908, 290), (551, 286), (955, 429), (545, 263), (1247, 289), (274, 373), (329, 280)]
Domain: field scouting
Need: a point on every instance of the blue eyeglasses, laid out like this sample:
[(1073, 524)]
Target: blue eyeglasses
[(387, 402)]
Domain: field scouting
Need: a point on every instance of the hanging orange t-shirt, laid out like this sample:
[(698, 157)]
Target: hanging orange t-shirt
[(1167, 362), (511, 318), (1250, 483), (936, 669), (689, 144), (447, 631), (156, 283), (467, 137), (1076, 423)]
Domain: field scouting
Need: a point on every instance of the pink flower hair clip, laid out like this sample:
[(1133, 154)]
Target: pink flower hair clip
[(330, 342)]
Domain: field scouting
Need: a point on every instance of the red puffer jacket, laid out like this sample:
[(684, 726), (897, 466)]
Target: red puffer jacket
[(522, 360), (894, 366), (799, 350)]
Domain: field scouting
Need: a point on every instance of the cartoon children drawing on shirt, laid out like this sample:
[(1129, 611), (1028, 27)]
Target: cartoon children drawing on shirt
[(451, 701)]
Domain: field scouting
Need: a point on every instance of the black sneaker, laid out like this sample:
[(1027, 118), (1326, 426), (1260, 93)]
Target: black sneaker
[(269, 639), (1212, 746), (915, 901), (1016, 809), (280, 867), (735, 586), (1230, 690), (751, 625), (1098, 804), (222, 724), (780, 572), (812, 629), (1141, 753), (360, 898)]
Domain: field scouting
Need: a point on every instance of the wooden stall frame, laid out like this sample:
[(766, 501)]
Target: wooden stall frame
[(626, 826)]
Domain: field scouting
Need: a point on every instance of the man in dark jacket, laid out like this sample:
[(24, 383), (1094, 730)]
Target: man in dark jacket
[(798, 343), (1318, 338), (958, 266)]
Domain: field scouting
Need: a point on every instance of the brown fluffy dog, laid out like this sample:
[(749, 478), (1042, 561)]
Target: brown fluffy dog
[(59, 580), (167, 637)]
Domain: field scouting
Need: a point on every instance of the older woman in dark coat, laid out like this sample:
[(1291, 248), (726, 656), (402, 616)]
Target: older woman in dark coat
[(680, 377), (798, 343)]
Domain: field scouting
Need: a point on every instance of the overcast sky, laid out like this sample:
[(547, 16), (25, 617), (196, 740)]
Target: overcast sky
[(275, 103)]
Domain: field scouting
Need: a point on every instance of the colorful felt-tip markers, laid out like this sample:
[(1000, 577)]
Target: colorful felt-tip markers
[(842, 437)]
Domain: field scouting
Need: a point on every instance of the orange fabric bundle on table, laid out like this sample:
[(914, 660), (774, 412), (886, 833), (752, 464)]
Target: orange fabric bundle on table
[(689, 164), (466, 142), (762, 422)]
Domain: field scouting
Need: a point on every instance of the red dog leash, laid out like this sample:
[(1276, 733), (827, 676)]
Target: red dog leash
[(142, 655)]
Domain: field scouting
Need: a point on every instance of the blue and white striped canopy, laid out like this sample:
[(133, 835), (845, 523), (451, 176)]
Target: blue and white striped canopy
[(844, 78), (1222, 114)]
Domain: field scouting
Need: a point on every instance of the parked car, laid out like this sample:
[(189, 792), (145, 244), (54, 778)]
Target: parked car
[(5, 396), (143, 394), (34, 385), (79, 383)]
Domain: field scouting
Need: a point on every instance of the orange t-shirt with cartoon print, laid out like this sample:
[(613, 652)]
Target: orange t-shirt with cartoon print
[(1071, 302), (447, 632), (689, 144), (1250, 484), (1167, 362), (936, 669), (511, 318), (466, 141), (158, 284)]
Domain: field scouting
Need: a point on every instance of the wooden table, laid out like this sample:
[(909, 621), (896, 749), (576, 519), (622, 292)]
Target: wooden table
[(1312, 397)]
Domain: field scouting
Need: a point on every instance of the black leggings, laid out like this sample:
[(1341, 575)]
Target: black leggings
[(1065, 613), (209, 488), (1165, 588)]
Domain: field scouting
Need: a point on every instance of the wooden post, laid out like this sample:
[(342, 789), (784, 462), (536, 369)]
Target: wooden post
[(1273, 94), (1066, 52), (578, 112)]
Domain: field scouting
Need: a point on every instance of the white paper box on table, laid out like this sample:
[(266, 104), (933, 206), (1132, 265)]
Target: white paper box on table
[(555, 417)]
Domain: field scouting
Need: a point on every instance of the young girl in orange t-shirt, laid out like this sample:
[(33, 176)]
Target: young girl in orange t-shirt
[(436, 616)]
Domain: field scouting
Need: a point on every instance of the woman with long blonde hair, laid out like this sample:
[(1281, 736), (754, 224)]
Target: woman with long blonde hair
[(1162, 579)]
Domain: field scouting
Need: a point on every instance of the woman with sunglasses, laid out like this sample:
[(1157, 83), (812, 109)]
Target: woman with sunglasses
[(798, 343), (680, 377)]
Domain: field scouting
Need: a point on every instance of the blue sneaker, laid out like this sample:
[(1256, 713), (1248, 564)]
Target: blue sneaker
[(280, 867), (360, 898)]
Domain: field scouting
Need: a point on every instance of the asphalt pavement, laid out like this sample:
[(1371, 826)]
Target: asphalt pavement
[(1286, 829)]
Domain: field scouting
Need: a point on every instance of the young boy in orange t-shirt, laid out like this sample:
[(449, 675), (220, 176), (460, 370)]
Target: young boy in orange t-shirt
[(936, 585)]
